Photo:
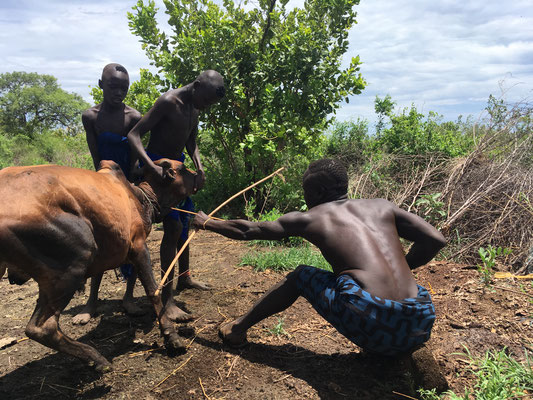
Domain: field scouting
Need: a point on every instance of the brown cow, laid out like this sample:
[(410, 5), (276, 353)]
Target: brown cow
[(61, 225)]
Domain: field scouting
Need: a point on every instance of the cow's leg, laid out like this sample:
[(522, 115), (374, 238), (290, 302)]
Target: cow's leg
[(44, 325), (89, 310), (141, 258), (171, 233)]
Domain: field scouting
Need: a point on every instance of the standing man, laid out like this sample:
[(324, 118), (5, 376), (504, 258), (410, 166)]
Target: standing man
[(173, 126), (371, 297), (106, 126)]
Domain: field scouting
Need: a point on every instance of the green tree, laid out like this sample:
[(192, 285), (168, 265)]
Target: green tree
[(282, 68), (413, 133), (31, 103), (383, 108)]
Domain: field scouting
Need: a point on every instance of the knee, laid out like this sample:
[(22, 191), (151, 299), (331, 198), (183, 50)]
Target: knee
[(294, 275), (42, 333), (298, 270), (33, 331)]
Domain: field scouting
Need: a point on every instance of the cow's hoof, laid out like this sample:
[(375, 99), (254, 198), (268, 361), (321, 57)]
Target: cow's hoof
[(103, 368), (174, 345)]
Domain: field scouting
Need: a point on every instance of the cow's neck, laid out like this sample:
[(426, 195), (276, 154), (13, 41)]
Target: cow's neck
[(151, 211)]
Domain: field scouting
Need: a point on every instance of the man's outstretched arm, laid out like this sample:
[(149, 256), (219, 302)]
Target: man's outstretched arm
[(240, 229), (427, 241)]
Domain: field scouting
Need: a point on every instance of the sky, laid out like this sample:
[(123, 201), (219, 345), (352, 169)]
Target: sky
[(446, 56)]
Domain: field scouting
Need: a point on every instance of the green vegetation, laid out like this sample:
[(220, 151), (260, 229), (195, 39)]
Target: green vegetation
[(284, 77), (497, 375), (285, 259), (431, 207), (277, 329), (40, 123), (488, 258)]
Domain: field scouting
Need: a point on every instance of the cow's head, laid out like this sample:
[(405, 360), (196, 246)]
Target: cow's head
[(178, 183)]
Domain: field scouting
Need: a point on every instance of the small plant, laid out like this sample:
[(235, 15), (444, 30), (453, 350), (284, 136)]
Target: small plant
[(277, 329), (488, 257), (431, 207)]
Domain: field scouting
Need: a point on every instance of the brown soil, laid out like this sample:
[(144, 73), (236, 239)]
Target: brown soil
[(310, 360)]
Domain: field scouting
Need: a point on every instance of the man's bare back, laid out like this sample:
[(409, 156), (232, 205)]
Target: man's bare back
[(359, 238)]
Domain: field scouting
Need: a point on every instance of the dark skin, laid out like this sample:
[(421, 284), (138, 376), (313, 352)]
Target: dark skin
[(359, 238), (112, 115), (173, 126)]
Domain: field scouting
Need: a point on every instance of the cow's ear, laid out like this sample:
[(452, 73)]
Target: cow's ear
[(169, 174)]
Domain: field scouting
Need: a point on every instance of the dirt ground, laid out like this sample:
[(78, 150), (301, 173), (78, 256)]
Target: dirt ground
[(309, 360)]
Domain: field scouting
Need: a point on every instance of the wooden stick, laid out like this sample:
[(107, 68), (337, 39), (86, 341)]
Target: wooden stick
[(171, 266), (203, 390), (172, 373), (5, 343), (193, 213), (404, 395)]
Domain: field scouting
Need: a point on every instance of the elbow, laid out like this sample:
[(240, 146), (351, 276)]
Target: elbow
[(439, 241)]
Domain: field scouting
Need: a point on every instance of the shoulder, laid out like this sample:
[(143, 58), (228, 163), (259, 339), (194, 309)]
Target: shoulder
[(378, 205), (166, 102), (91, 113), (132, 112)]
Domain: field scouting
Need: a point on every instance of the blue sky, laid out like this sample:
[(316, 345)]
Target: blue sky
[(445, 56)]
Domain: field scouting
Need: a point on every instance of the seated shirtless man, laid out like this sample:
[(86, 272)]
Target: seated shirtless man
[(371, 296), (107, 125)]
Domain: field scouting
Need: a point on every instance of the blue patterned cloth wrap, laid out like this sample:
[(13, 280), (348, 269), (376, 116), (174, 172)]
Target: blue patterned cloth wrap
[(186, 204), (377, 325), (115, 147)]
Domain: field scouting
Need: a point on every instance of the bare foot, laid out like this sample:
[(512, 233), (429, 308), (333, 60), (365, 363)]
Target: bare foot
[(189, 283), (231, 336), (176, 314), (85, 315), (131, 308)]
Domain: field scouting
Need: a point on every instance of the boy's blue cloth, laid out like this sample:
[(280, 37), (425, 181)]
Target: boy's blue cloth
[(115, 147)]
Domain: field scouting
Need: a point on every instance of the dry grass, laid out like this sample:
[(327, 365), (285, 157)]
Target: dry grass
[(487, 195)]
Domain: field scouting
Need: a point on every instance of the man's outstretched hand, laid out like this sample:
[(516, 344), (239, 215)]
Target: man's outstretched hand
[(199, 221)]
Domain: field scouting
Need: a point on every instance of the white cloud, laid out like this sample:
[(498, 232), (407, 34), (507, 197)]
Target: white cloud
[(445, 56)]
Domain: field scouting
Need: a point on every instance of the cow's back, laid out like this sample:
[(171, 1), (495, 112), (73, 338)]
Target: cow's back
[(47, 201)]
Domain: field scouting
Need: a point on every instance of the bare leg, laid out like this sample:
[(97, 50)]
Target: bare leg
[(185, 280), (127, 302), (89, 310), (278, 298), (172, 230)]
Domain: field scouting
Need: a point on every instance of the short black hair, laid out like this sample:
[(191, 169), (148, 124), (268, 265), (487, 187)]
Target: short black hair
[(329, 173), (116, 67)]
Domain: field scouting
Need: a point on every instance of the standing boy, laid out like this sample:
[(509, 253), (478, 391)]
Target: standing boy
[(173, 126), (107, 125), (371, 296)]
